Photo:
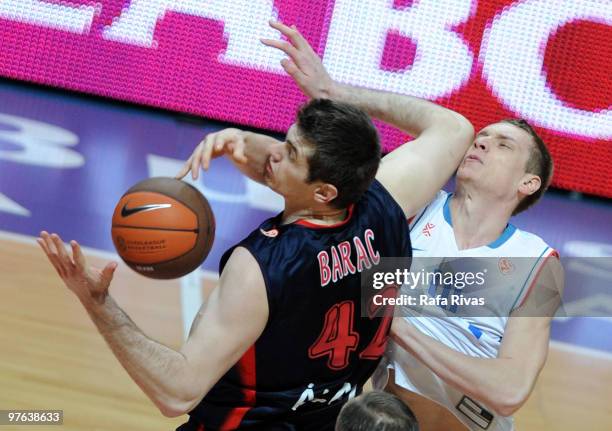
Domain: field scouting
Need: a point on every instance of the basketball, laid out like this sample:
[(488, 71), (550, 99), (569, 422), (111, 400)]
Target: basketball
[(163, 228)]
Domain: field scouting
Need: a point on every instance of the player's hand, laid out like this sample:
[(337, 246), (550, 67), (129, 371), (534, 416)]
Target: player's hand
[(228, 142), (303, 64), (87, 282)]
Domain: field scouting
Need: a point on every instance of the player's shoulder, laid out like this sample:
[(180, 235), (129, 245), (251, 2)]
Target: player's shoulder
[(529, 244), (377, 192), (439, 200), (258, 244), (435, 206)]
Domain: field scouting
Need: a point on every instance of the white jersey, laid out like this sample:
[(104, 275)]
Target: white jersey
[(432, 236)]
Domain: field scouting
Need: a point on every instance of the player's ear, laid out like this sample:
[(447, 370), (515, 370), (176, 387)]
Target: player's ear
[(325, 193), (529, 184)]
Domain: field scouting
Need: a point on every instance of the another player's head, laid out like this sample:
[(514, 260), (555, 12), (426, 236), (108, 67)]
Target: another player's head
[(330, 156), (510, 161), (376, 411)]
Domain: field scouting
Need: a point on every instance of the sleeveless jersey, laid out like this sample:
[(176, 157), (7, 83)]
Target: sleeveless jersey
[(316, 350), (511, 264)]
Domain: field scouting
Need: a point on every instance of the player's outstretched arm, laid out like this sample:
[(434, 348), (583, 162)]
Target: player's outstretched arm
[(414, 172), (175, 381), (503, 383), (248, 151)]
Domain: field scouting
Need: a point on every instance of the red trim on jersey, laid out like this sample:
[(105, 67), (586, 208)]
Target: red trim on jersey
[(409, 219), (327, 226), (247, 372), (553, 253)]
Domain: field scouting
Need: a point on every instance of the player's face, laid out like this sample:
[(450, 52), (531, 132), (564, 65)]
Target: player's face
[(498, 158), (286, 170)]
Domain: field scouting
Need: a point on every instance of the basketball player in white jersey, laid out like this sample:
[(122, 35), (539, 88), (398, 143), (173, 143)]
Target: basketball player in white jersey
[(482, 369), (481, 365)]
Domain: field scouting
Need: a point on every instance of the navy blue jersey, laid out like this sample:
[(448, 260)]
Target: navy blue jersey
[(316, 350)]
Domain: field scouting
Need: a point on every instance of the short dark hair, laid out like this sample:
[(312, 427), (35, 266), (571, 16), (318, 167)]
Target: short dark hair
[(540, 163), (376, 411), (346, 147)]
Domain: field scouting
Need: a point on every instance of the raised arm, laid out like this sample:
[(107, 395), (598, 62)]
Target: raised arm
[(414, 172), (503, 383), (175, 381)]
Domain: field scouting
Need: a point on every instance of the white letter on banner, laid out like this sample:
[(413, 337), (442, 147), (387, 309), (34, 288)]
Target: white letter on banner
[(357, 36), (513, 59), (11, 207), (76, 19), (245, 22), (40, 144)]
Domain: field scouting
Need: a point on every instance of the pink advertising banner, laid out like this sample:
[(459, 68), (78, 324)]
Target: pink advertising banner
[(543, 60)]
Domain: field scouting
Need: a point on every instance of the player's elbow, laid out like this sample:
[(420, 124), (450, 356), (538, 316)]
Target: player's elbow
[(177, 404), (508, 403), (171, 411), (508, 407), (460, 135), (463, 128), (174, 408)]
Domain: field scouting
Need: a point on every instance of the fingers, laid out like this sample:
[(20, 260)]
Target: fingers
[(49, 248), (209, 146), (300, 41), (296, 66), (238, 150), (284, 46), (202, 155), (65, 260), (292, 34), (184, 170), (195, 160), (81, 263), (55, 250), (302, 63), (42, 242), (109, 271), (77, 255), (217, 142), (218, 145), (290, 67)]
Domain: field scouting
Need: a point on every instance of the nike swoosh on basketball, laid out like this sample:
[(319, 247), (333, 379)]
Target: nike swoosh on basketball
[(126, 212)]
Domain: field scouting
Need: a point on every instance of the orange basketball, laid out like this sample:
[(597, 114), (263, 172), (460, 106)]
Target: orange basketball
[(163, 228)]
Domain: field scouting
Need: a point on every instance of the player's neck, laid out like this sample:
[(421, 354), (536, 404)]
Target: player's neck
[(323, 216), (478, 219)]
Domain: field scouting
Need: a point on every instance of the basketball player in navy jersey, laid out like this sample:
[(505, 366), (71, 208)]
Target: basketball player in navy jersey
[(482, 369), (280, 344)]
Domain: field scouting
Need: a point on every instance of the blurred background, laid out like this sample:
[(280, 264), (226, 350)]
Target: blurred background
[(96, 95)]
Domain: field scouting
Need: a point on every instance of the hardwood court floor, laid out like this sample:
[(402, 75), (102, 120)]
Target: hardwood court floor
[(51, 356)]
